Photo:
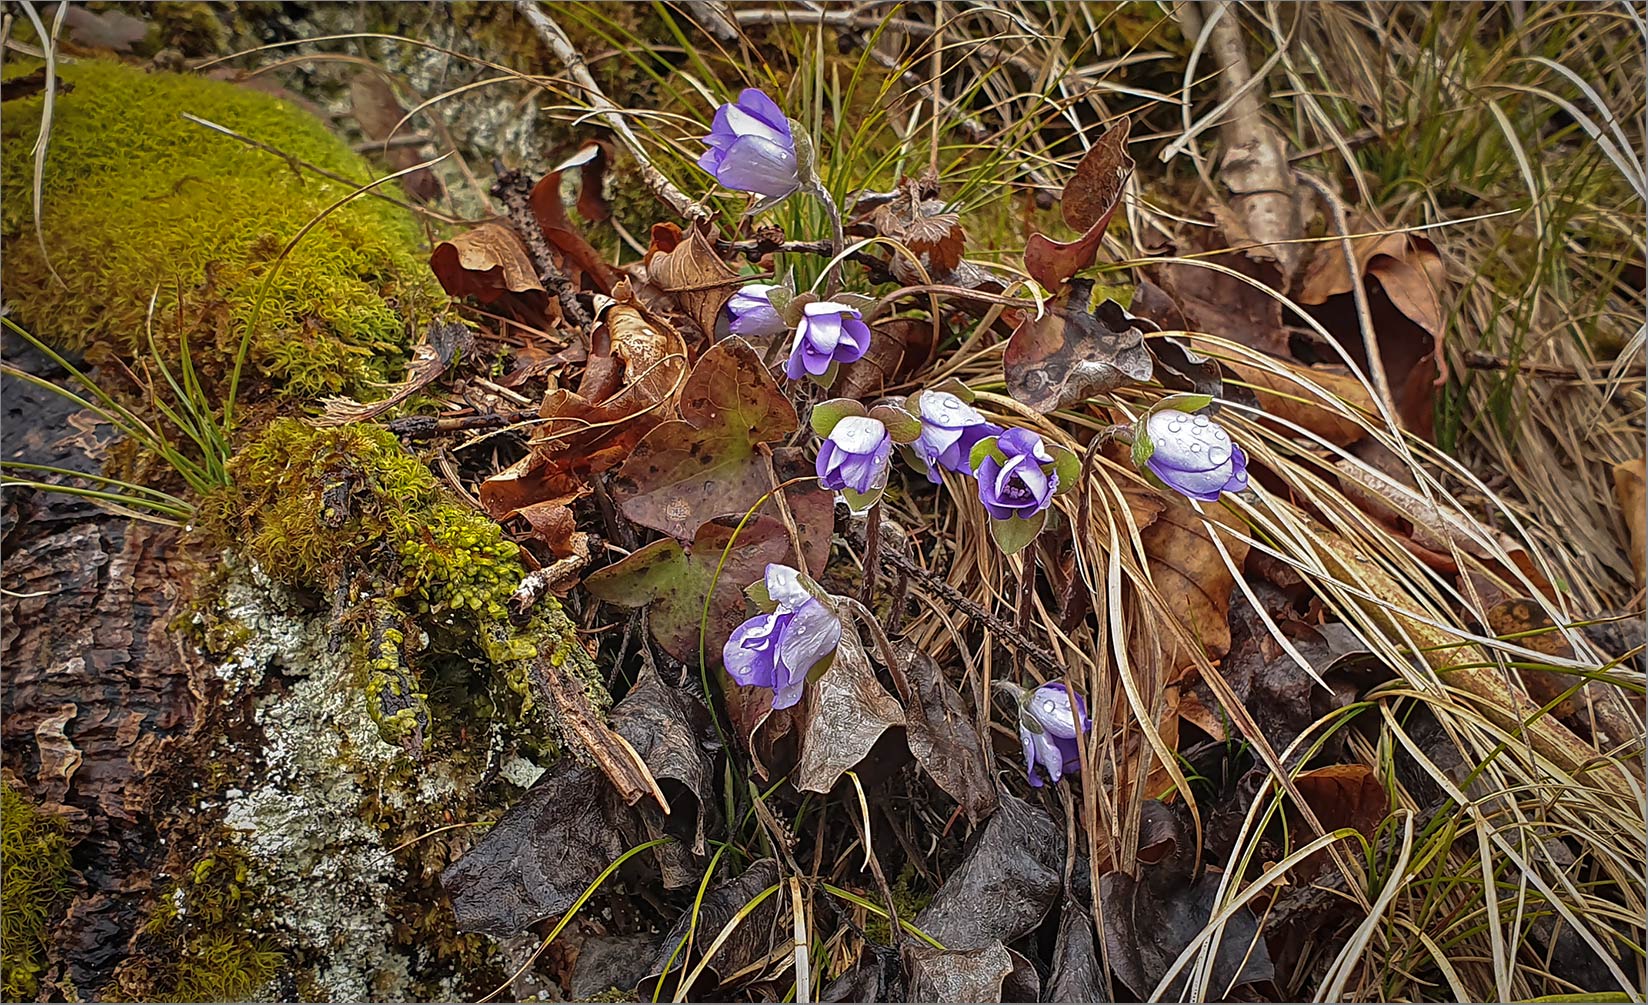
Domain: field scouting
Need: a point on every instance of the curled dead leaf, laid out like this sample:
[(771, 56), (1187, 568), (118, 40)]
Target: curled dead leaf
[(686, 267), (487, 263), (846, 712), (1090, 200), (1085, 345)]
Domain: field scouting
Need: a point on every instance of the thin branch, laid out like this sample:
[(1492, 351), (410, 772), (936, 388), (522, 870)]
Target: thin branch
[(515, 189), (559, 44)]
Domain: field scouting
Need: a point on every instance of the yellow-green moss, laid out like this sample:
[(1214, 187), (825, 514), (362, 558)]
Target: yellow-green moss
[(35, 854), (197, 942), (140, 202), (348, 512)]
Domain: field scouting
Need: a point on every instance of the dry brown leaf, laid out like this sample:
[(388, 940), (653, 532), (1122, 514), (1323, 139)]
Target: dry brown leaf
[(844, 713), (551, 215), (487, 263), (1284, 398), (377, 109), (687, 268), (1193, 579), (1090, 200), (1630, 493)]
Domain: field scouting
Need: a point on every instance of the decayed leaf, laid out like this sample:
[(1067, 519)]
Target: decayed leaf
[(1190, 574), (1150, 920), (1077, 350), (956, 975), (1013, 866), (442, 343), (487, 263), (671, 730), (1280, 396), (706, 464), (756, 935), (692, 273), (1216, 303), (541, 855), (1632, 496), (898, 347), (846, 712), (1090, 200), (675, 581), (941, 735), (926, 227), (1407, 266), (1077, 975)]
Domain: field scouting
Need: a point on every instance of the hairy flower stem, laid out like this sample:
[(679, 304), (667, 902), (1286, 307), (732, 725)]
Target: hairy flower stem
[(840, 238)]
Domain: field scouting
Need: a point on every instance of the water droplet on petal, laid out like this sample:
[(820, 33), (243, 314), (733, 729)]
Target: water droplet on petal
[(1201, 420), (1218, 455)]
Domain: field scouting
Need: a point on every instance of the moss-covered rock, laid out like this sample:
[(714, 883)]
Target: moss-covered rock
[(34, 855), (139, 202)]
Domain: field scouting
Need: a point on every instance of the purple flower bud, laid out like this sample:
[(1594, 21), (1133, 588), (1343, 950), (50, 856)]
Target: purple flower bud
[(751, 148), (828, 333), (1193, 455), (780, 649), (949, 429), (1047, 728), (856, 455), (752, 313), (1022, 485)]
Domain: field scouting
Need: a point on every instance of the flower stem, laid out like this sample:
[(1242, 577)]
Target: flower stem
[(840, 238)]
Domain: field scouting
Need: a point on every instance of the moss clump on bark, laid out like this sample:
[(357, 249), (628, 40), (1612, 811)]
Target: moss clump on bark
[(35, 856), (139, 202), (416, 578)]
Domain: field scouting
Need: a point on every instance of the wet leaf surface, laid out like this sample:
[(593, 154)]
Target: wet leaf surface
[(1077, 350), (541, 855), (1090, 200), (846, 712), (751, 941), (957, 975), (876, 976), (940, 733), (706, 464), (675, 581), (1013, 865), (1151, 919), (672, 732), (1077, 974)]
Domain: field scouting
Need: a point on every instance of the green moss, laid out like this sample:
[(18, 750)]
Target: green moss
[(35, 855), (197, 944), (426, 578), (139, 202)]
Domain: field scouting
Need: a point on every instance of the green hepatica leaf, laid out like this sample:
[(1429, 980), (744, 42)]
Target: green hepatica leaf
[(675, 581), (1068, 467), (1012, 535), (901, 425), (985, 448), (706, 464), (826, 414)]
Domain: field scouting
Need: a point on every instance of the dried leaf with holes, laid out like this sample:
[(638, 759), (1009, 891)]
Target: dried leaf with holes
[(926, 227), (1085, 345)]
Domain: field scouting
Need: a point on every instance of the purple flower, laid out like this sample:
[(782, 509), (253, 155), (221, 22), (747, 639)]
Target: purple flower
[(856, 455), (1022, 485), (751, 148), (949, 429), (752, 313), (828, 333), (780, 649), (1047, 728), (1193, 456)]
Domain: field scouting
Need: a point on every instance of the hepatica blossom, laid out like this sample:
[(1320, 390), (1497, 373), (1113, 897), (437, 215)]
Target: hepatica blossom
[(751, 147), (1020, 483), (949, 429), (779, 649), (828, 333), (856, 456), (1047, 729), (750, 312), (1192, 455)]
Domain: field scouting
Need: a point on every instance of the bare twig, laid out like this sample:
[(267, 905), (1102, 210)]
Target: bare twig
[(419, 427), (578, 70), (515, 189), (1254, 165)]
